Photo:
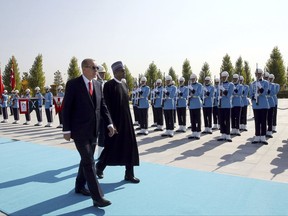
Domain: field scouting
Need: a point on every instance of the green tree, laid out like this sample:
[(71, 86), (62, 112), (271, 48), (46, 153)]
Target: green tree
[(227, 66), (151, 74), (107, 74), (159, 75), (172, 73), (58, 80), (129, 79), (7, 74), (186, 70), (24, 82), (275, 65), (73, 70), (239, 69), (205, 72), (247, 73), (36, 74)]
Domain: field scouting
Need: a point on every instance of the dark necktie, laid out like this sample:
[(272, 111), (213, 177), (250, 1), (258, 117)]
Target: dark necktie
[(90, 88)]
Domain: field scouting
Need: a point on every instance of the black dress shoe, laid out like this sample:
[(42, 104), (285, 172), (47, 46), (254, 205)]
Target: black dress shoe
[(82, 191), (132, 179), (101, 203), (99, 174)]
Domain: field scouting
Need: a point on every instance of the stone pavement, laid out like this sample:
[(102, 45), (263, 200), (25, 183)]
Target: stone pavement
[(240, 157)]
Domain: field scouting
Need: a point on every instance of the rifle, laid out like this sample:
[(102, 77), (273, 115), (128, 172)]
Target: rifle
[(204, 91), (220, 92), (257, 86), (164, 90), (153, 95), (190, 88)]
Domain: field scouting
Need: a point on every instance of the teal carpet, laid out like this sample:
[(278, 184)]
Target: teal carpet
[(39, 180)]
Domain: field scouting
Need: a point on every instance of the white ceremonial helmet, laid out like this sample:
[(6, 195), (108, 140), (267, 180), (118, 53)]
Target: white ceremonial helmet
[(101, 69), (266, 74), (168, 78), (5, 91), (158, 81), (259, 70), (224, 74), (37, 89), (217, 80), (16, 91), (27, 90), (241, 78), (181, 79), (47, 87), (271, 76), (143, 79), (193, 76), (60, 87), (207, 78)]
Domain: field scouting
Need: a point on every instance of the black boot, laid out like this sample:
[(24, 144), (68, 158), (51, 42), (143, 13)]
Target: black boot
[(129, 175)]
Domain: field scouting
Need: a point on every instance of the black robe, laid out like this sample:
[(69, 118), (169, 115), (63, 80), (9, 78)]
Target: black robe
[(121, 149)]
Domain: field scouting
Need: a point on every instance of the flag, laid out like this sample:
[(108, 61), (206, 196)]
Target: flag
[(1, 84), (58, 102), (12, 78)]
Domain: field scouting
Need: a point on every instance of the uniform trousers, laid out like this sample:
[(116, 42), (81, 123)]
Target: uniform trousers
[(270, 118), (243, 117), (195, 119), (154, 114), (16, 114), (143, 118), (275, 116), (224, 120), (5, 113), (136, 114), (27, 116), (87, 170), (169, 119), (215, 115), (60, 117), (235, 117), (260, 116), (207, 114), (181, 114), (39, 114), (159, 115), (49, 115)]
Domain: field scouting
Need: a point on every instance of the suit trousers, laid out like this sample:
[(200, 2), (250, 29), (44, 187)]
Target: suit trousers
[(87, 170)]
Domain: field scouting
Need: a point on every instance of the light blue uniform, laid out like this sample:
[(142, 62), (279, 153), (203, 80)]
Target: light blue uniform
[(169, 97), (15, 99), (48, 100), (4, 100), (181, 96), (244, 95), (158, 97), (226, 99), (270, 95), (237, 95), (262, 96), (143, 97), (194, 99), (40, 99), (208, 99)]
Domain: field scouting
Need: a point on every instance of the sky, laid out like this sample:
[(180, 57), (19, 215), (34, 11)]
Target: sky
[(139, 32)]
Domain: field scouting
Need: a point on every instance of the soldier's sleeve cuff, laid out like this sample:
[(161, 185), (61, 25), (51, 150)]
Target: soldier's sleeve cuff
[(66, 132)]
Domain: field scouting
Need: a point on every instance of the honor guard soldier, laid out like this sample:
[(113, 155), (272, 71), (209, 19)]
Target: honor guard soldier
[(61, 94), (143, 106), (27, 115), (277, 89), (237, 103), (158, 106), (152, 100), (215, 105), (174, 113), (271, 102), (243, 116), (38, 109), (195, 105), (258, 93), (4, 104), (135, 100), (225, 91), (169, 93), (207, 97), (15, 106), (48, 106), (181, 104)]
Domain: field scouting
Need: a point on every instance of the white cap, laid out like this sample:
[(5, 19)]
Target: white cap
[(47, 87), (158, 81), (27, 90), (5, 91), (224, 74), (259, 71), (193, 76), (235, 76), (216, 80), (241, 78), (207, 78), (101, 69), (37, 89), (181, 79), (168, 77), (143, 79), (60, 87), (266, 74), (271, 76), (16, 91)]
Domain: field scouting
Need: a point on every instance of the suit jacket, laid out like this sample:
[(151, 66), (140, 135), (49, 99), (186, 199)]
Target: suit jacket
[(81, 112)]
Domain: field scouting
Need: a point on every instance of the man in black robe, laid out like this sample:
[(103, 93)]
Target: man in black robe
[(121, 149)]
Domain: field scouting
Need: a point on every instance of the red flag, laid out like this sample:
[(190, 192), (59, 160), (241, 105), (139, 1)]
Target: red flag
[(12, 78), (1, 84)]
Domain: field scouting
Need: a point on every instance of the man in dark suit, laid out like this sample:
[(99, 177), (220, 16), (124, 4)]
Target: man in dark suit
[(83, 105)]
